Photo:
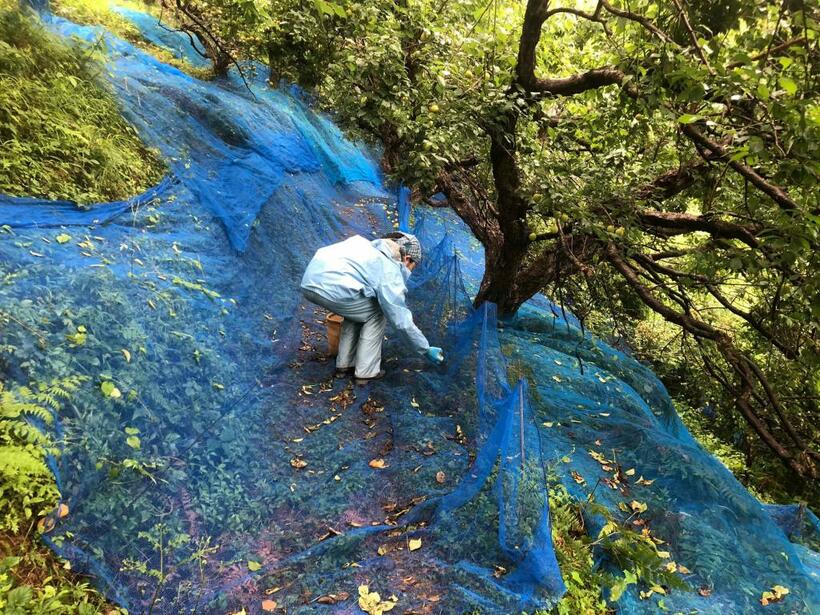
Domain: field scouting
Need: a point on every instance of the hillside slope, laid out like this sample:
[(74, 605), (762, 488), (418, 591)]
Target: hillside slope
[(212, 463)]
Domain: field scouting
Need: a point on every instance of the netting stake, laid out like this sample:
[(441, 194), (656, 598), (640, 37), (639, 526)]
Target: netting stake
[(521, 419)]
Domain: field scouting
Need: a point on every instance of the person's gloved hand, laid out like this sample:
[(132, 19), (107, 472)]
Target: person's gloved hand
[(435, 355)]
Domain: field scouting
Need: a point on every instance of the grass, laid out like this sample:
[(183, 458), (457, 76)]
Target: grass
[(61, 131)]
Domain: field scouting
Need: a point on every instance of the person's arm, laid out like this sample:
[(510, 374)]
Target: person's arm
[(390, 295)]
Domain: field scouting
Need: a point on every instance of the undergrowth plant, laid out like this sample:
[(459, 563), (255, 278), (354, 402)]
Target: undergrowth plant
[(32, 580), (26, 484), (598, 567)]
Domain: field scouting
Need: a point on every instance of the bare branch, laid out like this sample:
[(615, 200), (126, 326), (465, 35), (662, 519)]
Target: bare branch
[(646, 23)]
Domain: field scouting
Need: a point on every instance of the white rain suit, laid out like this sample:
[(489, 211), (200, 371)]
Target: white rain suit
[(365, 282)]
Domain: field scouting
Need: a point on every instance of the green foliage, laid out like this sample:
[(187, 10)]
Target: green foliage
[(26, 484), (584, 583), (63, 136), (591, 590), (34, 582)]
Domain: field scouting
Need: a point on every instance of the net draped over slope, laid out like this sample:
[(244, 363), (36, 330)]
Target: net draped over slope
[(211, 462)]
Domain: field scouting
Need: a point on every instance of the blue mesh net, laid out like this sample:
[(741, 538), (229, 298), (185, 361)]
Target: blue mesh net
[(211, 462)]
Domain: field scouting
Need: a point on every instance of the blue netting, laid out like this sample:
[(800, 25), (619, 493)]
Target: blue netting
[(232, 468)]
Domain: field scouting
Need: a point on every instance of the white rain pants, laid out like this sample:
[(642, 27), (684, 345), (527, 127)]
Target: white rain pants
[(360, 342)]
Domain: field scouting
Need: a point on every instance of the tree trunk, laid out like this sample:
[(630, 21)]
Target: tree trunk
[(502, 267)]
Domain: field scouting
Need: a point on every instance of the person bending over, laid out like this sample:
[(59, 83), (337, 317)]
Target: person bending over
[(366, 282)]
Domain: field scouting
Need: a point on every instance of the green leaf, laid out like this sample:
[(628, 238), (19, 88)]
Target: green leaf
[(253, 566), (133, 442), (789, 85), (132, 431), (688, 118), (109, 390)]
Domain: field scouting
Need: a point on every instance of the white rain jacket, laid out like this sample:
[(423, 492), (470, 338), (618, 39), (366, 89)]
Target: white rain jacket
[(356, 268)]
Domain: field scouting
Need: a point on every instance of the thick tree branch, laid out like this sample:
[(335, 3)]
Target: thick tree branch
[(716, 150), (675, 223), (695, 327), (534, 18), (481, 222)]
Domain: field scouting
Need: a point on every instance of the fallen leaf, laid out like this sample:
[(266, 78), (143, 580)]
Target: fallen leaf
[(126, 354), (333, 598), (62, 511), (377, 463), (578, 478), (440, 477), (705, 591), (414, 403), (371, 602), (253, 566), (683, 569), (638, 507), (414, 544), (298, 463), (775, 595), (269, 605), (63, 238), (630, 472)]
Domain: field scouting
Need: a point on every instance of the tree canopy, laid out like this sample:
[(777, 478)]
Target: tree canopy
[(621, 156)]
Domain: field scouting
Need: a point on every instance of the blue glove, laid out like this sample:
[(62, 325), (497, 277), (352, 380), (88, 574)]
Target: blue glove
[(435, 355)]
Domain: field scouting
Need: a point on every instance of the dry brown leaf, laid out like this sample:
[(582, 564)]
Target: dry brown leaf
[(440, 477), (269, 605), (62, 510), (298, 463), (705, 591), (377, 463)]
